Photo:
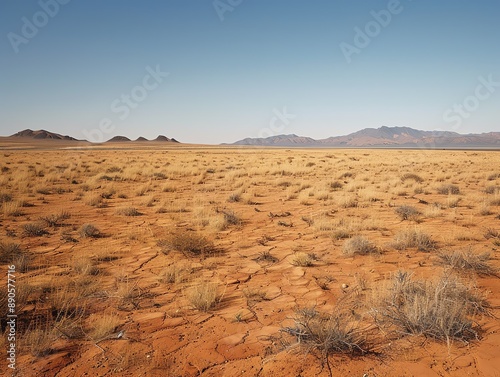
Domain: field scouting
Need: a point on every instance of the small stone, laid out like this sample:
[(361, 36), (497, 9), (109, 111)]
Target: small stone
[(345, 286)]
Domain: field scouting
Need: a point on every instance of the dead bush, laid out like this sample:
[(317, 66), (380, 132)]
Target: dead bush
[(336, 333), (358, 245), (188, 242), (412, 176), (89, 231), (34, 230), (448, 190), (203, 296), (413, 238), (441, 309), (468, 261), (407, 213)]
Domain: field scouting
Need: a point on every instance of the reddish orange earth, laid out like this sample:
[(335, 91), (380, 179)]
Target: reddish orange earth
[(103, 289)]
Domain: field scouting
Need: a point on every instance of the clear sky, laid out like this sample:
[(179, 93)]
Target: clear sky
[(326, 67)]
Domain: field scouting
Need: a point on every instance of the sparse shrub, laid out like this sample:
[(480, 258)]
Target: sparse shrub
[(95, 200), (168, 188), (188, 243), (8, 251), (203, 296), (12, 208), (485, 210), (39, 341), (266, 256), (418, 190), (358, 245), (44, 191), (231, 218), (491, 233), (11, 253), (128, 211), (175, 273), (285, 224), (114, 169), (347, 175), (341, 234), (448, 189), (5, 198), (413, 238), (254, 296), (337, 333), (55, 220), (83, 265), (468, 261), (234, 197), (412, 176), (336, 185), (143, 189), (453, 202), (349, 202), (437, 309), (493, 176), (34, 230), (308, 220), (108, 193), (159, 175), (89, 231), (407, 213), (491, 190), (303, 260), (103, 326)]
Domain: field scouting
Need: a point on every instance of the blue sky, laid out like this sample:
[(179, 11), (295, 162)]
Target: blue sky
[(234, 65)]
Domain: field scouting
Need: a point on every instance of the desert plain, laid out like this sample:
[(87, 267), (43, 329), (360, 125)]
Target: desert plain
[(194, 261)]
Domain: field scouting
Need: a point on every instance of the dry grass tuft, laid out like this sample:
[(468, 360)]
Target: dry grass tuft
[(437, 309), (266, 256), (337, 333), (39, 341), (413, 238), (303, 260), (203, 296), (56, 219), (448, 189), (188, 242), (412, 176), (34, 230), (468, 261), (408, 213), (358, 245), (175, 273), (128, 211), (103, 326), (89, 231), (11, 253), (12, 208)]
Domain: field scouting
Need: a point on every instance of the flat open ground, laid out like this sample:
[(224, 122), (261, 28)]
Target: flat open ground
[(254, 262)]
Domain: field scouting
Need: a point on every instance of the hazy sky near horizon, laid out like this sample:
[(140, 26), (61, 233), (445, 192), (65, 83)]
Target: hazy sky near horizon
[(219, 71)]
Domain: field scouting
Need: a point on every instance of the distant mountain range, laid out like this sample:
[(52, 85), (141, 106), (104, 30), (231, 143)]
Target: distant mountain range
[(383, 137), (42, 135), (47, 135), (397, 137)]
